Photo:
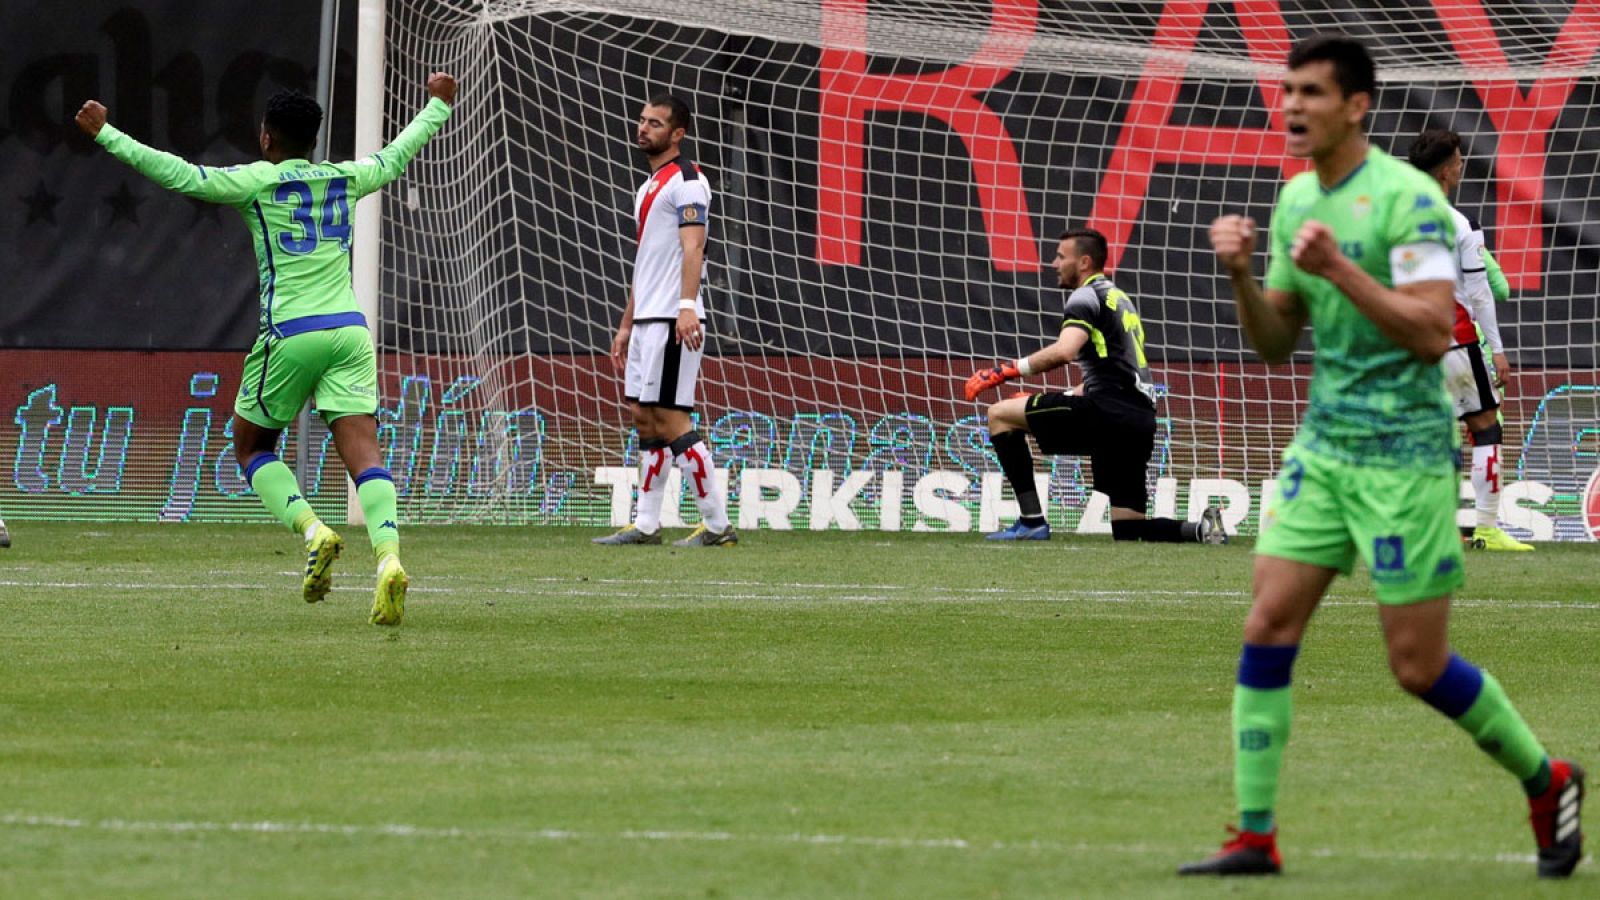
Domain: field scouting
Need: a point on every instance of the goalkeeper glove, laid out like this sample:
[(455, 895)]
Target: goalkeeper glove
[(991, 378)]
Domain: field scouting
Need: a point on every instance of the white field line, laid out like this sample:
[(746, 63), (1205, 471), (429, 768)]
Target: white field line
[(785, 591), (542, 835)]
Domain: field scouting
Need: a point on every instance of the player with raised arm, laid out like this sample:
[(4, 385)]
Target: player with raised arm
[(1362, 247), (1472, 384), (660, 340), (313, 339), (1112, 421)]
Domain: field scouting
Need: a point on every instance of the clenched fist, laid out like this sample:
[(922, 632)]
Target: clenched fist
[(91, 117), (1234, 240), (443, 86), (1314, 250)]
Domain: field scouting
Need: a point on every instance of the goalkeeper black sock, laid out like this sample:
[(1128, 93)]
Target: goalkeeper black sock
[(1159, 531), (1016, 460)]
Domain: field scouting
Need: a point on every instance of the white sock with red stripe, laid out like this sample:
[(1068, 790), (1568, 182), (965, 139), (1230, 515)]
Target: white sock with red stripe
[(693, 459), (1486, 482), (652, 488)]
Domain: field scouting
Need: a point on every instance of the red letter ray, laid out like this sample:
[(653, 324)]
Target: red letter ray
[(849, 94), (1524, 120), (1149, 139)]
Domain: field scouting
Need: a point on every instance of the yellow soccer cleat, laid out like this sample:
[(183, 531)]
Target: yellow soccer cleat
[(389, 602), (1495, 539), (629, 534), (321, 551), (705, 537)]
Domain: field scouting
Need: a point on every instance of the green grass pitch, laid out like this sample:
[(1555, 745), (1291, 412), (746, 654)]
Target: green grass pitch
[(806, 715)]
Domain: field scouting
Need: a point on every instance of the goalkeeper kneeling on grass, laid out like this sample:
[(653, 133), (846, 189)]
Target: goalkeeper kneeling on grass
[(1112, 420)]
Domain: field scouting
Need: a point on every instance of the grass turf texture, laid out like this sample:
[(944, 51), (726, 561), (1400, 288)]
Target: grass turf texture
[(805, 715)]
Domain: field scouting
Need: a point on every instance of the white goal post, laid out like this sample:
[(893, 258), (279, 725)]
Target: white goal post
[(890, 178)]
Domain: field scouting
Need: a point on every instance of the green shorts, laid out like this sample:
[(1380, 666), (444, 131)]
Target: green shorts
[(337, 367), (1403, 524)]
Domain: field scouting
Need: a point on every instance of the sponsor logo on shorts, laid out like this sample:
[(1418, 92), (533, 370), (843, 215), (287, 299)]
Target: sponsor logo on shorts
[(1389, 559), (1446, 566)]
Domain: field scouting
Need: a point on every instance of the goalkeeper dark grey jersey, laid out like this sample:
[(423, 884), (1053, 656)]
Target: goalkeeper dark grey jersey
[(1115, 372)]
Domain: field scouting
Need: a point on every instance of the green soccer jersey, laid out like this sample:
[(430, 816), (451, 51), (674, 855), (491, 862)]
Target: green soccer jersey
[(301, 216), (1498, 285), (1372, 402)]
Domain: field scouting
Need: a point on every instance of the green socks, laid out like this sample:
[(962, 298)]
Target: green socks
[(1476, 702), (1261, 713), (375, 488), (1260, 731), (279, 492)]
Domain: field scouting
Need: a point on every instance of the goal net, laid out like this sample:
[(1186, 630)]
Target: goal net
[(890, 181)]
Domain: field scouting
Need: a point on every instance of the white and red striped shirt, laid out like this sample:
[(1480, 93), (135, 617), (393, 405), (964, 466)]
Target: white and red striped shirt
[(675, 196)]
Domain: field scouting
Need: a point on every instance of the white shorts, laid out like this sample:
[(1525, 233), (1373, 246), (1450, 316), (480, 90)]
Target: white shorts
[(661, 371), (1468, 380)]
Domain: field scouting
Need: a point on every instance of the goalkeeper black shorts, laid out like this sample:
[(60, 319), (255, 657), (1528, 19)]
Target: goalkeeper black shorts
[(1117, 440)]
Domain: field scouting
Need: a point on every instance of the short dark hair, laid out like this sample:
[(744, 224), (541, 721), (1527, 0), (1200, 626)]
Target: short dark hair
[(1090, 243), (1433, 148), (293, 118), (1352, 64), (680, 110)]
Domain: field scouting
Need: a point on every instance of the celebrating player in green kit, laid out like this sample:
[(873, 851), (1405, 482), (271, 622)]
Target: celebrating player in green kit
[(313, 339), (1361, 246)]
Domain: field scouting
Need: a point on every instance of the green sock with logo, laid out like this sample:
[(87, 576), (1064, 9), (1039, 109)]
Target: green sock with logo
[(1261, 713), (280, 493), (375, 488)]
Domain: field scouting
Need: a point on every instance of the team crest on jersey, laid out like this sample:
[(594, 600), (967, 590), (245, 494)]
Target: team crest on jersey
[(690, 214), (1409, 261), (1362, 207)]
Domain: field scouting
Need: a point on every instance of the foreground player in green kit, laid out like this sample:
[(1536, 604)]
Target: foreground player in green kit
[(1361, 247), (313, 339)]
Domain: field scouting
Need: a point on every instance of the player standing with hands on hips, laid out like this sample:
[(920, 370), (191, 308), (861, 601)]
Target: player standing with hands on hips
[(1362, 246), (661, 340), (313, 340)]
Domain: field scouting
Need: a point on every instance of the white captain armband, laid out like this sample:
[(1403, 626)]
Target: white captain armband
[(1422, 261)]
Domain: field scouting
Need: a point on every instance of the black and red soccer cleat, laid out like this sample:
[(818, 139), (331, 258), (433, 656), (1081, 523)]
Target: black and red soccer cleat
[(1554, 815), (1247, 853)]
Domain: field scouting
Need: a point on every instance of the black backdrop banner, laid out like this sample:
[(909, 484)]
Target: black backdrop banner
[(91, 254)]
